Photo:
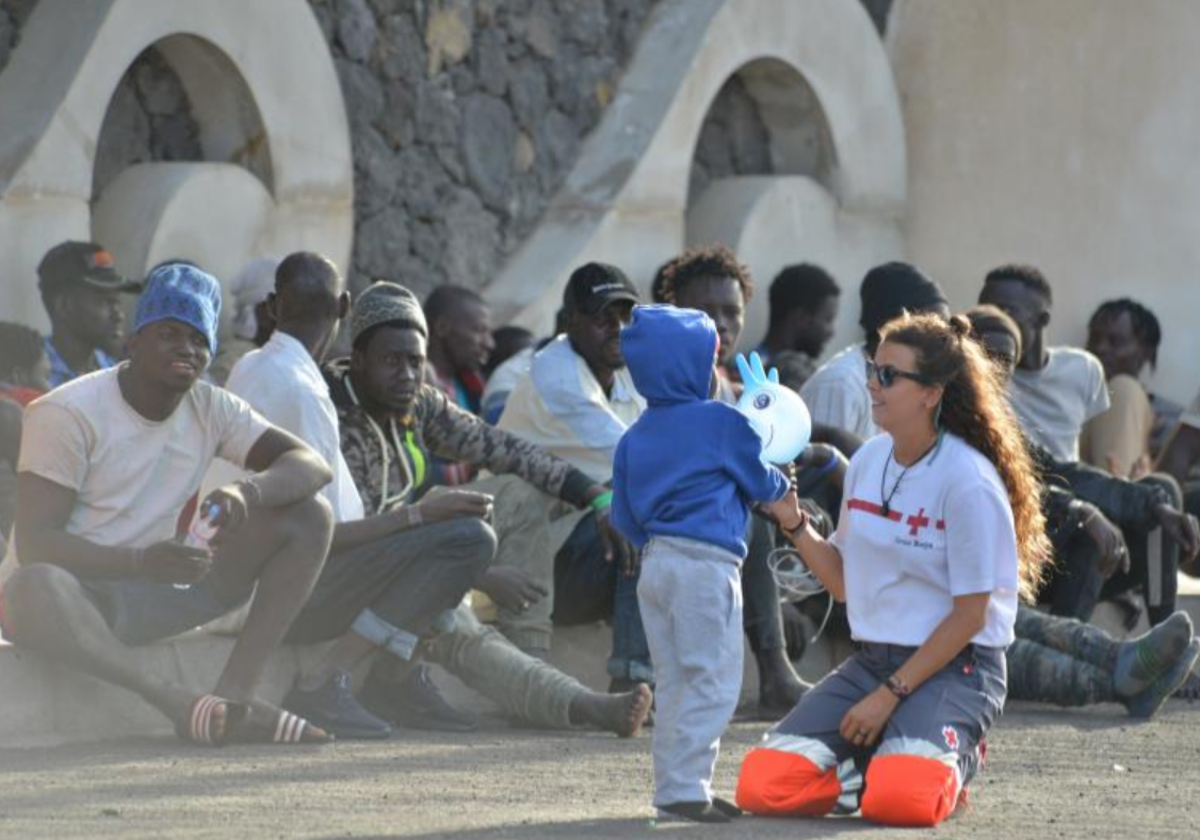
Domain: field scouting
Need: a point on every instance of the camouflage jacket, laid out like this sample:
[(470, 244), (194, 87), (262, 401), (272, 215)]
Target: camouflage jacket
[(439, 427)]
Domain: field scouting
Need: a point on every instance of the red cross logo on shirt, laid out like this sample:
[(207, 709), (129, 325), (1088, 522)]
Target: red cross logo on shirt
[(916, 523)]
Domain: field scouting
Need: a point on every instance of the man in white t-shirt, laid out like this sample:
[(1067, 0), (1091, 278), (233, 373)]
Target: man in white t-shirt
[(1055, 390), (836, 395), (107, 464)]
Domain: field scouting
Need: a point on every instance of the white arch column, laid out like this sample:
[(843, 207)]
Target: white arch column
[(56, 91)]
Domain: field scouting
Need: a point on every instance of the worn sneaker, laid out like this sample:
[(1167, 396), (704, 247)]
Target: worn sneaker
[(700, 812), (726, 807), (334, 708), (1143, 660), (416, 703), (1152, 699)]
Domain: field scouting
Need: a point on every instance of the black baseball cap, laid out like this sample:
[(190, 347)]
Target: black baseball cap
[(594, 286), (81, 263)]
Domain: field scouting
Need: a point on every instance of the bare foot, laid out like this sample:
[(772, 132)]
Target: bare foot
[(621, 714)]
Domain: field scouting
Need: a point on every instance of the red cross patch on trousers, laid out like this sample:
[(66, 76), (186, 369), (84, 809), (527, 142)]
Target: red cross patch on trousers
[(951, 737)]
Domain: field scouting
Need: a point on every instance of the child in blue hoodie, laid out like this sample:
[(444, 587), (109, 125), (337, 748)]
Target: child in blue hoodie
[(684, 476)]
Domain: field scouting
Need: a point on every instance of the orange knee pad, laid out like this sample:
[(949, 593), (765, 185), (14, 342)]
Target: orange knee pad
[(909, 790), (775, 783)]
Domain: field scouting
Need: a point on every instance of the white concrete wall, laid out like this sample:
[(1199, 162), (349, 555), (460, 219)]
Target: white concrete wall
[(1064, 134), (54, 94)]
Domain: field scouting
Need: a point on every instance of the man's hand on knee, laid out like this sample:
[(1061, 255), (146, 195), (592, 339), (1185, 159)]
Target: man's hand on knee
[(511, 589), (456, 504)]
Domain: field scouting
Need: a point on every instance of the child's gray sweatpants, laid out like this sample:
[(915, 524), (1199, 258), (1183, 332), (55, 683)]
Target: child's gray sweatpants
[(690, 596)]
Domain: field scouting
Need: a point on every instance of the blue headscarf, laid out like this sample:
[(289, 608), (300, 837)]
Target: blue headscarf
[(181, 292)]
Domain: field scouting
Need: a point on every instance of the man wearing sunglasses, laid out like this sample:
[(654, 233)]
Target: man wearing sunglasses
[(836, 394)]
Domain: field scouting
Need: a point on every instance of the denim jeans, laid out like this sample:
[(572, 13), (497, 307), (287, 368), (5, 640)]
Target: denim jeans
[(588, 588)]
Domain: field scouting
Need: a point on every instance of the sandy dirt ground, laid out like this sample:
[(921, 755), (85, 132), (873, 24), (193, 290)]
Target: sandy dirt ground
[(1051, 774)]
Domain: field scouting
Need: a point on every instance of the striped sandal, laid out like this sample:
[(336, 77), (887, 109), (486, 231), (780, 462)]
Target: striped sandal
[(286, 728), (199, 729)]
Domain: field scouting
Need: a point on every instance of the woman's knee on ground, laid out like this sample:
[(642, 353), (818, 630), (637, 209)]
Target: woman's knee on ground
[(780, 783), (909, 790)]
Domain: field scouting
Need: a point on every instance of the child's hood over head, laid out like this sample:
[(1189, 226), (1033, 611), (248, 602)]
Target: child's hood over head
[(670, 353)]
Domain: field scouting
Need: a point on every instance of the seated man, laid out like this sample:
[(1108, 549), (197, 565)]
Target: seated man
[(836, 394), (430, 550), (107, 464), (24, 375), (24, 365), (1054, 390), (81, 291), (392, 422), (804, 307), (1181, 459), (576, 401), (1082, 497), (1124, 336), (386, 582), (460, 342)]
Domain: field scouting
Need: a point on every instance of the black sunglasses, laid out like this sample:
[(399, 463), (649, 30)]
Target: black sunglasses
[(887, 375)]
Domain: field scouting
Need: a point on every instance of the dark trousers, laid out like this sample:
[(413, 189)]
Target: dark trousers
[(1074, 588), (1154, 562), (391, 591)]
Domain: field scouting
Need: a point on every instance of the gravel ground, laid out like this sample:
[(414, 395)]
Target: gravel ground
[(1051, 774)]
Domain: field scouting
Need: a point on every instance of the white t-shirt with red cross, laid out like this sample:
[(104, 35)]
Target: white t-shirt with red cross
[(948, 531)]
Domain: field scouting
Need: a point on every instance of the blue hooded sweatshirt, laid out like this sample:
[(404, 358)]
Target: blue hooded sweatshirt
[(689, 466)]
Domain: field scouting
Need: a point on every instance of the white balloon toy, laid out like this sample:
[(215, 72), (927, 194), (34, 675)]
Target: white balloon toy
[(777, 413)]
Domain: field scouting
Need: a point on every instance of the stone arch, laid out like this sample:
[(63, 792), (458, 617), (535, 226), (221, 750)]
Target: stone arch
[(219, 104), (626, 199), (57, 87), (764, 120)]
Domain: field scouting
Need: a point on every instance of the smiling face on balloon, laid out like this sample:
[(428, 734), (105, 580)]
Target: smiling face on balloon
[(777, 413)]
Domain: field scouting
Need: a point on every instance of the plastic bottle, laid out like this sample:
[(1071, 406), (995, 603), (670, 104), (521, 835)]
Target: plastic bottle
[(201, 533)]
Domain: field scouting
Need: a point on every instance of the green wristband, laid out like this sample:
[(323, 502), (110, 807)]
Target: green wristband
[(602, 501)]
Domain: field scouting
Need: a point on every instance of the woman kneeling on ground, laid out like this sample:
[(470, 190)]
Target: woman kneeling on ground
[(941, 531)]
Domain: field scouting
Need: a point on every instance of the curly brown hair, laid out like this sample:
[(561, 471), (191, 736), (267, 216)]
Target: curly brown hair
[(975, 407), (714, 261)]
